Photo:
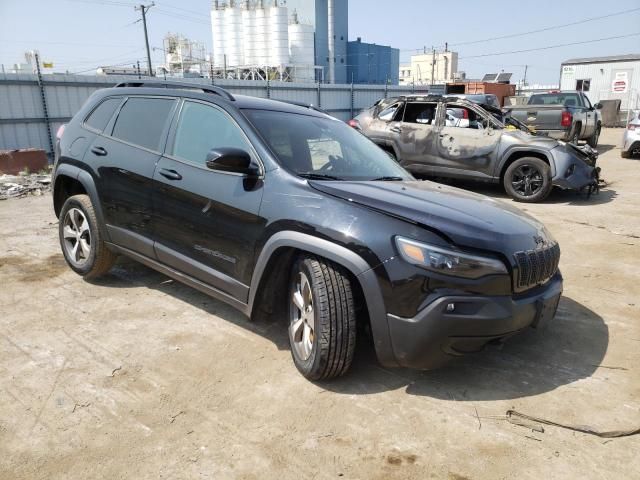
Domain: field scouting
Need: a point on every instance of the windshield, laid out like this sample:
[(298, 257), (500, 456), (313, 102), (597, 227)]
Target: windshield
[(323, 148)]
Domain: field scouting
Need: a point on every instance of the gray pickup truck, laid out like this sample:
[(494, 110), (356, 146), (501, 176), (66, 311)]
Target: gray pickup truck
[(567, 116)]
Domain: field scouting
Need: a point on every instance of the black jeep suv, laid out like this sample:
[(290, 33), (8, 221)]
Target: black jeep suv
[(282, 209)]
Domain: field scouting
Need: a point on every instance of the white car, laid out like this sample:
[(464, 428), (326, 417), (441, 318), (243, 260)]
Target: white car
[(631, 138)]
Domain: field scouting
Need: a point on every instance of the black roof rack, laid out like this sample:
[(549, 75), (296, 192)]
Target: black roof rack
[(184, 85), (304, 105)]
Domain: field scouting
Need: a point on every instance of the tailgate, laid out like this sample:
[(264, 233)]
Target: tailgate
[(540, 117)]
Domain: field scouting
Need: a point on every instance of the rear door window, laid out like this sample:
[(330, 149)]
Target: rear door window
[(99, 118), (389, 113), (142, 121)]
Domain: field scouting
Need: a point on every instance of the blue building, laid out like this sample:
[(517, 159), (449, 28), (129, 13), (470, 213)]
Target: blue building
[(316, 13), (372, 64)]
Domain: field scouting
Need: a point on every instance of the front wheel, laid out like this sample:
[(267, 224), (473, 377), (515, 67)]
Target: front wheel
[(322, 319), (528, 180)]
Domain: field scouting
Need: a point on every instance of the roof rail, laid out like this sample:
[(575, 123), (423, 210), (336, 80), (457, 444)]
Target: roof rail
[(310, 106), (180, 85)]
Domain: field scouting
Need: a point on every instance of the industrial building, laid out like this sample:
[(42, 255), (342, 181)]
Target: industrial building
[(615, 77), (430, 68), (183, 57), (372, 64), (274, 39)]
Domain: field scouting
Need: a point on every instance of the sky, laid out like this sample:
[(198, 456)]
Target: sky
[(79, 35)]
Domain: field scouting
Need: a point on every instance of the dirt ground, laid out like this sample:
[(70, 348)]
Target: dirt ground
[(139, 377)]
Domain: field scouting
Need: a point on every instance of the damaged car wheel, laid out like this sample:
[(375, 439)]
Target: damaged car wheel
[(528, 179)]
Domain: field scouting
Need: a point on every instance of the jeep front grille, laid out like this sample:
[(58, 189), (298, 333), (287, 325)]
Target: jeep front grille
[(535, 267)]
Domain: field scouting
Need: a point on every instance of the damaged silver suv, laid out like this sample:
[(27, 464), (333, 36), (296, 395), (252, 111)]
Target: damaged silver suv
[(454, 138)]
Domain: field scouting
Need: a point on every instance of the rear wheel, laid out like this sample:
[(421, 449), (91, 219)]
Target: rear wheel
[(575, 136), (528, 180), (82, 244), (322, 319)]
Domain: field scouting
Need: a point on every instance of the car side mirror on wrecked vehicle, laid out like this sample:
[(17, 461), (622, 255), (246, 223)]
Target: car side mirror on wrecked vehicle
[(232, 160), (597, 106)]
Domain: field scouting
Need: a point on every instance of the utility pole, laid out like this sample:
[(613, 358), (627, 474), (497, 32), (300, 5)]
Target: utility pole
[(524, 80), (144, 9), (433, 65)]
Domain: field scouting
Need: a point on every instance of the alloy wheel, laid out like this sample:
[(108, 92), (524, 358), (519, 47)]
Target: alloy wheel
[(527, 180), (302, 321), (77, 237)]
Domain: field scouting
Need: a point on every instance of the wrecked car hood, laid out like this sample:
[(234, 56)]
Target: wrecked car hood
[(468, 219)]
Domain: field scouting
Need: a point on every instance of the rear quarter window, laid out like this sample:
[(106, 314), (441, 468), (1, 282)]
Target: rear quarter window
[(100, 116), (142, 121)]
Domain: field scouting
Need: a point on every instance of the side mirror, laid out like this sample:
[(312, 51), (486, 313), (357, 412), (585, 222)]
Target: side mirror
[(597, 106), (232, 160)]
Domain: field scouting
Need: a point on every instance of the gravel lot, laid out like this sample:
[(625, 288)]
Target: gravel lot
[(139, 377)]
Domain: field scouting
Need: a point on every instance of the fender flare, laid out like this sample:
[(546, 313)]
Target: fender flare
[(348, 259), (86, 180), (516, 149)]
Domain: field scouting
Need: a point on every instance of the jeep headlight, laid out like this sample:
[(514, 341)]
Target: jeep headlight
[(447, 261)]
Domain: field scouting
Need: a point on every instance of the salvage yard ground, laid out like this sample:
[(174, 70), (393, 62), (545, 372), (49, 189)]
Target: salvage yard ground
[(139, 377)]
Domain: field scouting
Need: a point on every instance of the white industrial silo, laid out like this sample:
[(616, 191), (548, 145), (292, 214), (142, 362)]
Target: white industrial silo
[(249, 33), (301, 50), (217, 28), (233, 36), (278, 35), (261, 35)]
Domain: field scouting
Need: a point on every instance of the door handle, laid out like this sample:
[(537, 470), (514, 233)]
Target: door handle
[(396, 129), (170, 174), (100, 151)]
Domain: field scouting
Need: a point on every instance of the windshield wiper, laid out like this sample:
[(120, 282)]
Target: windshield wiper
[(317, 176), (388, 179)]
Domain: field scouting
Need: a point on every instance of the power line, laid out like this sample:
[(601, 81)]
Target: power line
[(546, 29), (549, 47)]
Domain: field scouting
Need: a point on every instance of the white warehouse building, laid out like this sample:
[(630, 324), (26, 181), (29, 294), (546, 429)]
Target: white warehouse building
[(604, 78), (256, 35)]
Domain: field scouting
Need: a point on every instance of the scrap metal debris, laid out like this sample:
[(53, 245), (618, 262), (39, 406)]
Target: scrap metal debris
[(16, 186), (513, 417)]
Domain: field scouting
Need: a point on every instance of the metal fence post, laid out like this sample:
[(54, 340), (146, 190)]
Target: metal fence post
[(352, 99), (319, 96), (268, 88), (43, 98), (386, 90)]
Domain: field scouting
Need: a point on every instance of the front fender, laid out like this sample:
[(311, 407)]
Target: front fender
[(509, 152), (360, 269)]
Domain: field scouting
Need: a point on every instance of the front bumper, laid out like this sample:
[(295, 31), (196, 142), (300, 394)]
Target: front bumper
[(575, 170), (435, 335)]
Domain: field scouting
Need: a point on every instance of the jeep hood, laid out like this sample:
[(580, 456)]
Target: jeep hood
[(465, 218)]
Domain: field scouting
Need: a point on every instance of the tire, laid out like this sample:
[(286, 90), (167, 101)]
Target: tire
[(78, 232), (593, 140), (322, 318), (539, 183)]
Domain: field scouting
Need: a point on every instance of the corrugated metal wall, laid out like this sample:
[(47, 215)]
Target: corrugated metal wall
[(602, 76), (22, 122)]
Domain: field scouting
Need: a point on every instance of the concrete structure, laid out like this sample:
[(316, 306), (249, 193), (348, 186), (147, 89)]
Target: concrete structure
[(615, 77), (429, 68), (316, 13), (372, 64)]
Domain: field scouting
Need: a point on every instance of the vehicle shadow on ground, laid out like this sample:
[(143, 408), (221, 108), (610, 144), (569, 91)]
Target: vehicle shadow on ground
[(537, 361), (128, 273), (603, 148), (565, 197)]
